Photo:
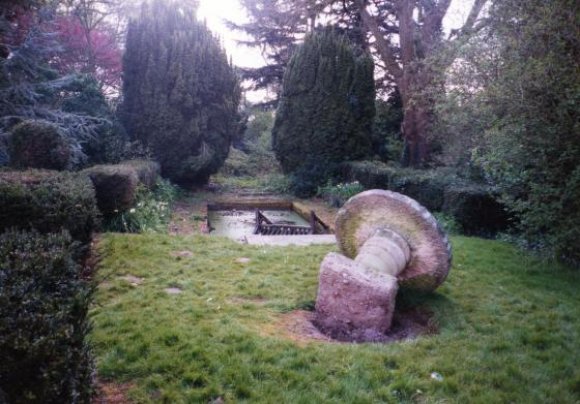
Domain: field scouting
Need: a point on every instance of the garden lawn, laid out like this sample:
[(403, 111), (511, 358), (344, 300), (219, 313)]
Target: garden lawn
[(509, 328)]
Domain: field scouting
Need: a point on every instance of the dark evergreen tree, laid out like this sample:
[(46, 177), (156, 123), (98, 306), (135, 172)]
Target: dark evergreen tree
[(327, 107), (181, 94)]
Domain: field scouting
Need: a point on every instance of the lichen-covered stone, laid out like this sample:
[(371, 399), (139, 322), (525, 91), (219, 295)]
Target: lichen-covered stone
[(366, 213), (354, 303)]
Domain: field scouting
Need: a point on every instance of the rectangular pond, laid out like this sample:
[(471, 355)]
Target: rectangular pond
[(238, 220)]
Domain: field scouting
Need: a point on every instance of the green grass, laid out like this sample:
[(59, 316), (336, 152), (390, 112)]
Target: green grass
[(509, 328), (266, 183)]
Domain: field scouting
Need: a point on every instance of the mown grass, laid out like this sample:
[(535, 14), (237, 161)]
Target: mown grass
[(509, 328)]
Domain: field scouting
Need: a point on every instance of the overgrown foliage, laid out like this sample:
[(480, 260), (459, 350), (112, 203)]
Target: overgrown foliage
[(326, 110), (48, 201), (387, 139), (181, 95), (534, 144), (44, 303), (512, 115)]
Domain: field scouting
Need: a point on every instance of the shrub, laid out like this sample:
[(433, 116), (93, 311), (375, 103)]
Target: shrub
[(43, 320), (237, 163), (152, 210), (476, 209), (313, 173), (48, 201), (147, 171), (425, 186), (337, 195), (116, 184), (370, 174), (39, 144)]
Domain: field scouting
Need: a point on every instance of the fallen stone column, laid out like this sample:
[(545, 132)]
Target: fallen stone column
[(387, 239)]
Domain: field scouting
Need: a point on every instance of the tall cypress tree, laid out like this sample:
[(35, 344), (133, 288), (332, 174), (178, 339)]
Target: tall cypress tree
[(181, 94), (326, 111)]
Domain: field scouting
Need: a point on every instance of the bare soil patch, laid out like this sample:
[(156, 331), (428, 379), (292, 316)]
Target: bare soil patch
[(298, 326), (133, 280), (112, 393), (181, 254)]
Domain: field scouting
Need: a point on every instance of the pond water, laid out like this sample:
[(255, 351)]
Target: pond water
[(239, 223)]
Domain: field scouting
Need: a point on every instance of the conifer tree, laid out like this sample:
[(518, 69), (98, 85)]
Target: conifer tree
[(326, 110), (181, 94)]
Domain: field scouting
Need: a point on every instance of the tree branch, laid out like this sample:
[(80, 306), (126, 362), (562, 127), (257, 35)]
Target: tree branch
[(383, 46), (471, 19)]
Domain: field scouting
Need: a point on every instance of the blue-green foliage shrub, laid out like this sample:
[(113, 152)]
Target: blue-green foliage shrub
[(108, 141), (44, 300), (48, 201)]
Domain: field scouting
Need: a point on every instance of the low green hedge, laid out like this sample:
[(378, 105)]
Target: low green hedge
[(474, 206), (44, 300), (425, 186), (370, 174), (48, 201), (116, 184)]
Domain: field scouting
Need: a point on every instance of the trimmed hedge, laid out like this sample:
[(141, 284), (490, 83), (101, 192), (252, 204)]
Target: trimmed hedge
[(116, 184), (426, 186), (48, 201), (39, 144), (371, 174), (476, 210), (44, 301), (474, 206)]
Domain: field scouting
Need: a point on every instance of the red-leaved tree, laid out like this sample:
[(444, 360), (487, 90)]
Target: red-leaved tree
[(91, 51)]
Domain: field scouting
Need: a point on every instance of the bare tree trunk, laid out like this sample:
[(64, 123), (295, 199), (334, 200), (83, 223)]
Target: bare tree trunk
[(419, 25), (416, 123)]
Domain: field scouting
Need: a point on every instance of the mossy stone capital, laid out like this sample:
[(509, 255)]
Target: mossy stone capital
[(366, 213)]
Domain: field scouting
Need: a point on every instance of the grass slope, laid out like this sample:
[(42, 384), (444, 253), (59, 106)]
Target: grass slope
[(509, 328)]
